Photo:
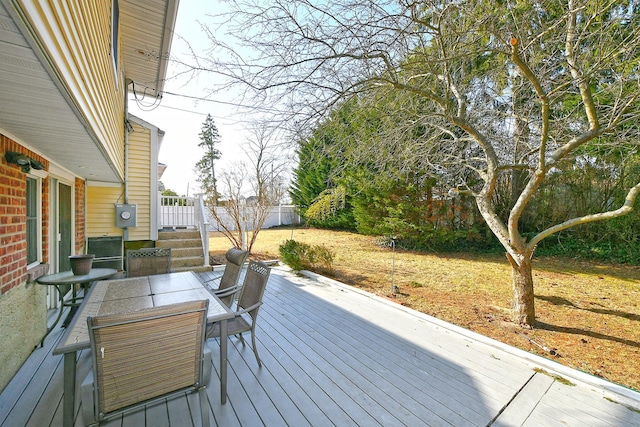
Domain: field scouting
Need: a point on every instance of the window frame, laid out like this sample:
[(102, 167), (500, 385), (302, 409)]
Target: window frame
[(37, 218)]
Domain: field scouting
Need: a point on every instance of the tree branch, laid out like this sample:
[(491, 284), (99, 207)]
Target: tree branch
[(626, 208)]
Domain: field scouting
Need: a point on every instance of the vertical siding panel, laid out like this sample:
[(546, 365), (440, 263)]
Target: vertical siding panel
[(101, 210), (83, 60), (140, 180)]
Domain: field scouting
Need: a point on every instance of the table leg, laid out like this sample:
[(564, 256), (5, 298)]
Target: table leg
[(69, 396), (73, 304), (223, 361), (60, 309)]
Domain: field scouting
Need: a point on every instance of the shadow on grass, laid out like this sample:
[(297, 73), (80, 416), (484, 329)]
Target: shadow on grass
[(592, 334), (565, 302), (570, 266), (550, 264), (352, 279)]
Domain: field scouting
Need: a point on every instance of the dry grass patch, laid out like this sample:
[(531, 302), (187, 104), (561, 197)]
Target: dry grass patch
[(588, 313)]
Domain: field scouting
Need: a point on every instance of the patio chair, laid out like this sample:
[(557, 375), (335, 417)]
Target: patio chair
[(229, 286), (144, 357), (249, 302), (148, 261)]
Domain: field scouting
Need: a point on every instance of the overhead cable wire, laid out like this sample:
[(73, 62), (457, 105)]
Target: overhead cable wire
[(196, 98), (140, 101)]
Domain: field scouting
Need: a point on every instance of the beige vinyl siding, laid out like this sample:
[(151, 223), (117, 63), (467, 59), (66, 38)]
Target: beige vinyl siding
[(101, 210), (75, 35), (139, 180)]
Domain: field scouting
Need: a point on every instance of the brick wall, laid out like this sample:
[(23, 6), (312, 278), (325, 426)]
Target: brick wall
[(13, 216), (80, 217)]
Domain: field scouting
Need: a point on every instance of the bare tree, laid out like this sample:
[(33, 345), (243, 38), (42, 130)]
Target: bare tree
[(227, 212), (518, 89), (269, 159), (241, 217)]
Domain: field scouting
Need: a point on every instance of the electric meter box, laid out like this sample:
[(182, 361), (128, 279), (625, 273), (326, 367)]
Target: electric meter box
[(125, 215)]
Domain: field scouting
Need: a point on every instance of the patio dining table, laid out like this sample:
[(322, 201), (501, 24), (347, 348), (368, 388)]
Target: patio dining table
[(131, 294)]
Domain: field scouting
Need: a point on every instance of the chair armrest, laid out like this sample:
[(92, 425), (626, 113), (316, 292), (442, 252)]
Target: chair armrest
[(208, 284), (248, 309), (226, 292)]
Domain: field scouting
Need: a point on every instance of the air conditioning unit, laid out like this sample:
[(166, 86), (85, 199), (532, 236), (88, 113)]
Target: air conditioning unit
[(107, 250)]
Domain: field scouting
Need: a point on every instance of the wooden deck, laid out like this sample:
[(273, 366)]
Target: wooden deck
[(335, 356)]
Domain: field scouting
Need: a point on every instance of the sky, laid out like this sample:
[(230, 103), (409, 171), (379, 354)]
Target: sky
[(181, 117)]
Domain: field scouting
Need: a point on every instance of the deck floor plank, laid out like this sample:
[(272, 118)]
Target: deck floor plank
[(334, 356), (39, 358), (438, 341), (158, 415), (576, 405), (523, 404), (34, 390), (387, 366), (179, 412), (237, 396), (453, 353), (295, 378), (360, 368), (263, 386), (314, 376)]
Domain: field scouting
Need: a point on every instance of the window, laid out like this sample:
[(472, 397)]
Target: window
[(33, 221)]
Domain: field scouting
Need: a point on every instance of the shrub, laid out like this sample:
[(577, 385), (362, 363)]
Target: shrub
[(292, 253), (301, 256)]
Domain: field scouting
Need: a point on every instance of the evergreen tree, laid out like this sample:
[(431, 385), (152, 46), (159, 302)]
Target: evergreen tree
[(205, 167)]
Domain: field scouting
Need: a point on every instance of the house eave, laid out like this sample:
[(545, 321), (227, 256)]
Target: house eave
[(147, 57), (38, 110)]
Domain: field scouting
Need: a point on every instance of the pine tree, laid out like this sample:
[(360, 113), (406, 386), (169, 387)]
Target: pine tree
[(205, 167)]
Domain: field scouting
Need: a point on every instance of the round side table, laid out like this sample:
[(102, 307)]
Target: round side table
[(68, 278)]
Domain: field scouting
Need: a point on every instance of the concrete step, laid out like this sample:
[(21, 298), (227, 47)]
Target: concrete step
[(179, 243), (186, 249), (178, 234), (200, 269), (186, 252), (192, 261)]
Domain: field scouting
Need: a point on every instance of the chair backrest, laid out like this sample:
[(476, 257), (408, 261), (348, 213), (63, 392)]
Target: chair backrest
[(142, 355), (148, 261), (255, 282), (235, 260)]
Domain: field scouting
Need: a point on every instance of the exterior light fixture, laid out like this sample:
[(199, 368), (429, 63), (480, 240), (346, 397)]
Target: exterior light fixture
[(35, 164), (25, 162)]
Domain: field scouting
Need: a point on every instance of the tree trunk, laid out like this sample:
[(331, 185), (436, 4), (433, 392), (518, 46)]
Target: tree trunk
[(524, 312)]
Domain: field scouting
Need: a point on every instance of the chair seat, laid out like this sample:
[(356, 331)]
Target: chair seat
[(237, 325)]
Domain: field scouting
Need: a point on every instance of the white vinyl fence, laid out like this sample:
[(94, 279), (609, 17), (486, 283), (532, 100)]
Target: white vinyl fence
[(181, 212), (278, 215)]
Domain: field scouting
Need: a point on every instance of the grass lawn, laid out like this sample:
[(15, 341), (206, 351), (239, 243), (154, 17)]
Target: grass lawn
[(588, 314)]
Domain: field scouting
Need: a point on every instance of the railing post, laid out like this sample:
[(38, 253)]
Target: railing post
[(203, 226)]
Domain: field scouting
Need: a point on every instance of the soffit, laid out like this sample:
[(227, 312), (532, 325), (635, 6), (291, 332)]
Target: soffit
[(34, 111), (147, 30)]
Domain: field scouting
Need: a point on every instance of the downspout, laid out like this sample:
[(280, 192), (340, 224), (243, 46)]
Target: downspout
[(154, 197), (126, 149)]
